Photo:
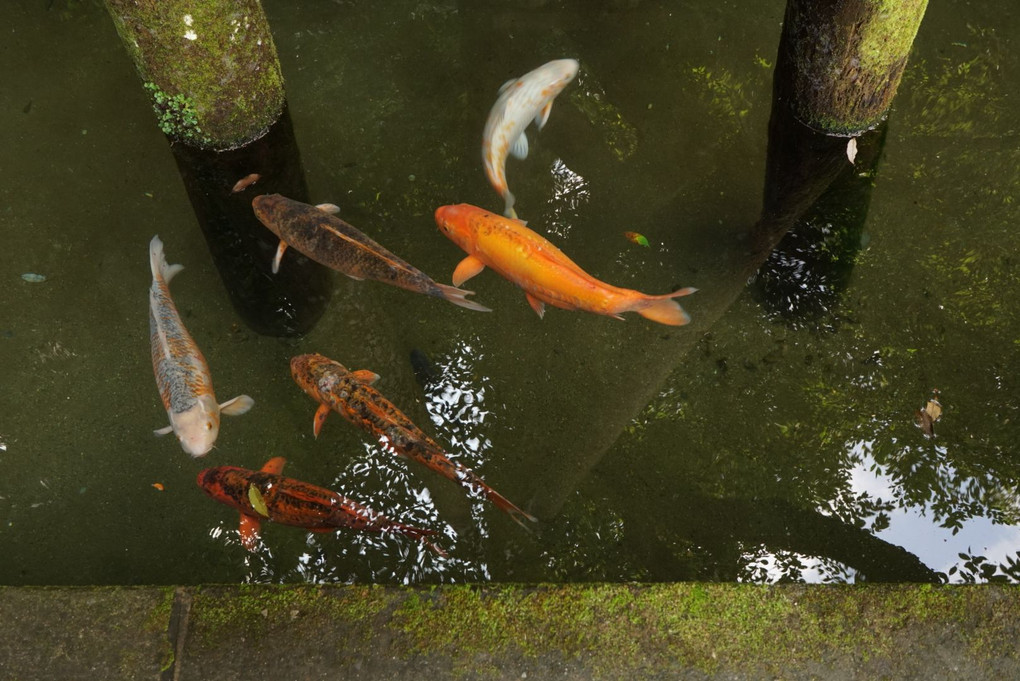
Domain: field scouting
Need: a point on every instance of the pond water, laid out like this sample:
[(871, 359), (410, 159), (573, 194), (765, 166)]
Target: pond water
[(772, 439)]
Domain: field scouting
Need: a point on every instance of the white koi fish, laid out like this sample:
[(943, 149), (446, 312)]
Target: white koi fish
[(520, 100), (182, 374)]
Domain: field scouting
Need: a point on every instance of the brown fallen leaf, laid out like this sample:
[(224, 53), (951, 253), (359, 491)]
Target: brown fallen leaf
[(925, 418)]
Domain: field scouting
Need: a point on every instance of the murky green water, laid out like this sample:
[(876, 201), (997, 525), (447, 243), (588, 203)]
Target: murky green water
[(749, 445)]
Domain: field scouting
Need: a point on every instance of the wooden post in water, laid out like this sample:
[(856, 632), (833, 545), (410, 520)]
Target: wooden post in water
[(845, 59), (213, 74)]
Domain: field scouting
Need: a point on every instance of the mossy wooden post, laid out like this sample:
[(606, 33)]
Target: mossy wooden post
[(846, 58), (211, 69)]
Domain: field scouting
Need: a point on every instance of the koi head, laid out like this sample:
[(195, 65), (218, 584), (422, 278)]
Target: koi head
[(227, 485), (456, 223), (556, 75), (316, 374), (198, 427), (267, 208)]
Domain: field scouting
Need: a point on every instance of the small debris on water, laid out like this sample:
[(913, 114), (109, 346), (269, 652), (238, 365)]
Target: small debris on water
[(851, 149), (33, 278), (925, 418), (245, 182), (636, 238)]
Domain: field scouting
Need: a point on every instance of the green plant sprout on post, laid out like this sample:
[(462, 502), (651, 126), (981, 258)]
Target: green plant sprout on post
[(177, 116)]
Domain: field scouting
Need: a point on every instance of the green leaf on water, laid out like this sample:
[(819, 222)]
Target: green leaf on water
[(256, 500)]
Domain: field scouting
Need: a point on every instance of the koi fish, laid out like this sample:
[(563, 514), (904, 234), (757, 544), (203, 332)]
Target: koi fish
[(245, 182), (542, 270), (350, 394), (332, 242), (268, 494), (182, 374), (520, 100)]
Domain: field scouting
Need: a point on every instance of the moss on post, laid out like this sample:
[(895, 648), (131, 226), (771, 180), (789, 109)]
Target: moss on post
[(846, 59), (209, 65)]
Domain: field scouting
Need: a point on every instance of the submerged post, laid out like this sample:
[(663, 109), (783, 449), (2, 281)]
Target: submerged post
[(845, 59), (212, 72)]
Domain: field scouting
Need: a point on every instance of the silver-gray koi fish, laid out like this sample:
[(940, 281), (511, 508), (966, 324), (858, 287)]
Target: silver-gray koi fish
[(182, 374)]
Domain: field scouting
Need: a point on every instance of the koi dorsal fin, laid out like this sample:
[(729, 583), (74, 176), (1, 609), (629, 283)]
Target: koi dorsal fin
[(274, 465)]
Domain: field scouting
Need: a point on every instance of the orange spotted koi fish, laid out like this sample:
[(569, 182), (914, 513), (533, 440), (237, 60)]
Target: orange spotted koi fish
[(545, 273), (520, 101), (332, 242), (267, 494), (350, 394), (182, 374)]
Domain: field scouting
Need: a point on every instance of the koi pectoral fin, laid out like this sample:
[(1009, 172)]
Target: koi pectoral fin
[(543, 115), (320, 417), (520, 148), (164, 431), (279, 256), (249, 531), (537, 305), (365, 376), (237, 406), (467, 268)]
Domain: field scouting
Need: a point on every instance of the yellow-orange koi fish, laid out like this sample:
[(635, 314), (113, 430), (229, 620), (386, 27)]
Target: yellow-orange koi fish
[(545, 273), (520, 101), (182, 374)]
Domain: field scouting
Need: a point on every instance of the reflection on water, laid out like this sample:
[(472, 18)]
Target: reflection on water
[(939, 538), (570, 191)]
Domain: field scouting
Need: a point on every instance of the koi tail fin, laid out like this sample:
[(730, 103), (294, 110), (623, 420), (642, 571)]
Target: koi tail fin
[(508, 208), (664, 309), (158, 264), (421, 535), (508, 507), (457, 297)]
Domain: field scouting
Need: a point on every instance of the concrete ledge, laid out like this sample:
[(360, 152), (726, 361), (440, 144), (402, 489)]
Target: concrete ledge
[(655, 631)]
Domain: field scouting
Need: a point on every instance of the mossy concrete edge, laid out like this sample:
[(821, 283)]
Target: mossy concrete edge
[(597, 631)]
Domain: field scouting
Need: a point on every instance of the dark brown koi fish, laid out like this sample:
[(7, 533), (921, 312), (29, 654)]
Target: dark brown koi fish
[(351, 395), (332, 242), (268, 494)]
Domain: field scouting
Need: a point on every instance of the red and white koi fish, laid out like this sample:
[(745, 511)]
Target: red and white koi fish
[(182, 374), (545, 273), (268, 494), (520, 100)]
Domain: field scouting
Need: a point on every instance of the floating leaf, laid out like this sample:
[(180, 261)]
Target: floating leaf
[(925, 418), (256, 500), (851, 149), (636, 238)]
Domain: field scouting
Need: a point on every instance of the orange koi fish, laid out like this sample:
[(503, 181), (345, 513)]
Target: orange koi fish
[(332, 242), (520, 101), (182, 374), (350, 394), (542, 270), (268, 494)]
